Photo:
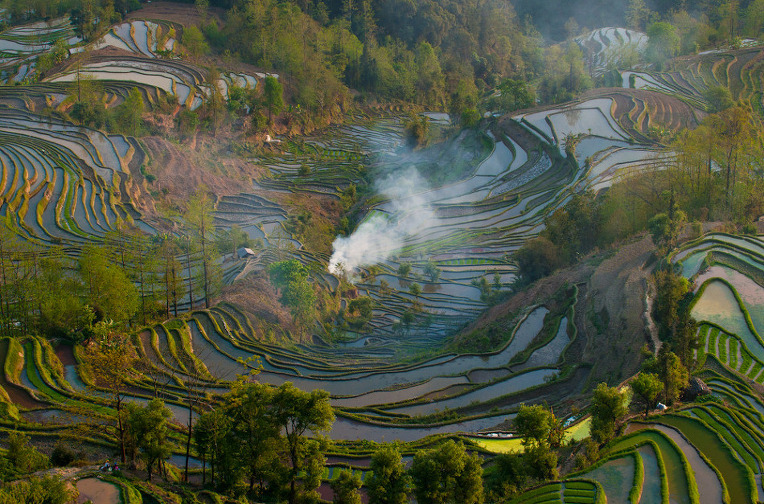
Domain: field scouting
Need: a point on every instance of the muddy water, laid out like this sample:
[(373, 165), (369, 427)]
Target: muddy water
[(97, 491)]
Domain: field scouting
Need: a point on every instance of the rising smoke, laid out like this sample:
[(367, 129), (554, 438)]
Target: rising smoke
[(407, 213)]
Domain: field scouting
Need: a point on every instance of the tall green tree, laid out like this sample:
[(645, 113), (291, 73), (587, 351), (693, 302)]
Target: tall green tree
[(345, 488), (447, 474), (673, 374), (107, 287), (194, 43), (253, 429), (296, 413), (647, 386), (388, 482), (273, 95), (200, 220), (109, 360), (149, 427), (297, 293), (663, 43), (609, 405)]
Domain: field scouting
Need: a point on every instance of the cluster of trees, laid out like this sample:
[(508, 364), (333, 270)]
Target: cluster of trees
[(570, 232), (445, 473), (129, 278), (21, 459), (89, 108), (543, 435), (256, 440), (291, 278)]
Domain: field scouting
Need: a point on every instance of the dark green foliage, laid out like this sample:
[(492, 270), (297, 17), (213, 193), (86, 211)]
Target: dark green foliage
[(273, 96), (291, 278), (663, 43), (447, 474), (537, 259), (609, 405), (20, 458), (45, 490), (345, 488), (149, 430), (62, 456), (360, 311), (569, 233), (719, 98), (388, 482), (513, 95), (257, 438), (541, 462), (671, 311), (506, 476), (537, 425), (673, 374), (647, 386)]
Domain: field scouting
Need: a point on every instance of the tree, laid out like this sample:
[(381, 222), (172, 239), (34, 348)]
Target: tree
[(149, 429), (209, 435), (514, 95), (20, 458), (663, 43), (671, 308), (199, 218), (541, 462), (107, 288), (637, 15), (127, 117), (432, 271), (295, 413), (534, 424), (608, 406), (388, 482), (46, 490), (537, 258), (171, 273), (274, 96), (506, 475), (253, 432), (719, 98), (673, 374), (345, 488), (193, 41), (297, 293), (447, 474), (647, 386), (110, 360)]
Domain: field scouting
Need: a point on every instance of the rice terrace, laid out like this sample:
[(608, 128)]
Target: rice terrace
[(432, 251)]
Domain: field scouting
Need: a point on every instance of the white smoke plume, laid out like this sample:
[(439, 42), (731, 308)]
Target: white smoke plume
[(378, 238)]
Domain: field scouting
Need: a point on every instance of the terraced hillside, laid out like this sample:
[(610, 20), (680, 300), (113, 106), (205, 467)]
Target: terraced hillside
[(479, 196), (20, 46), (701, 452), (738, 70)]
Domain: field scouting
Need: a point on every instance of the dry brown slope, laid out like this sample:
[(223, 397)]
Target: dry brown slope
[(609, 312)]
